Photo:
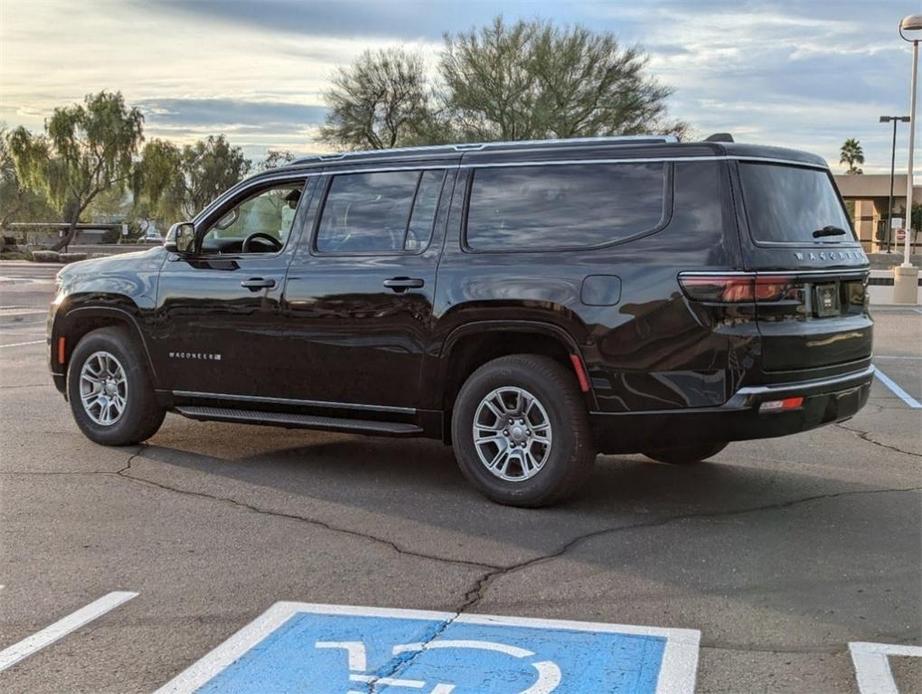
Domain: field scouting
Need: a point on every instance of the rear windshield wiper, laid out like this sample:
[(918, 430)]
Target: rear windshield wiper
[(829, 231)]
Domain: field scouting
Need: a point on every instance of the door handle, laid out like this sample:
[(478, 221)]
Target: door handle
[(255, 283), (401, 284)]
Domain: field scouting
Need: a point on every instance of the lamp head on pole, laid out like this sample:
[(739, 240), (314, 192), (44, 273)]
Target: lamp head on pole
[(912, 24)]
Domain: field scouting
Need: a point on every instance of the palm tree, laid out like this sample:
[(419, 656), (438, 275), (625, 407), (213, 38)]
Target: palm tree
[(852, 154)]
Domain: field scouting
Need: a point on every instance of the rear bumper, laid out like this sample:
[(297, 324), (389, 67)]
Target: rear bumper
[(826, 400)]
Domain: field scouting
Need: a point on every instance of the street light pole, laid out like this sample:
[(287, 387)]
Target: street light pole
[(906, 277), (912, 147), (888, 230)]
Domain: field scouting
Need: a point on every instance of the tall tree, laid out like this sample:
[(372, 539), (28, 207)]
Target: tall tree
[(87, 148), (180, 182), (209, 167), (276, 158), (17, 201), (527, 80), (532, 80), (157, 182), (382, 100), (851, 155)]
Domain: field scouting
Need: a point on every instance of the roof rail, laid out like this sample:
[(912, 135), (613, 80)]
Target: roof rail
[(478, 146)]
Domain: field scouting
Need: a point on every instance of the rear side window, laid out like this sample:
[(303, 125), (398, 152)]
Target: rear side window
[(563, 206), (788, 204), (389, 212)]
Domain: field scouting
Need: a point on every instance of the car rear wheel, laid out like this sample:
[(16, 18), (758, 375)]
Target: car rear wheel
[(686, 455), (521, 433), (109, 389)]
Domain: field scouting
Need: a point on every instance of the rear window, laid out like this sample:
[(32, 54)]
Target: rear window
[(384, 212), (563, 206), (788, 204)]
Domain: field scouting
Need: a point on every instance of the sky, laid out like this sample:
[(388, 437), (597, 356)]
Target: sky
[(796, 73)]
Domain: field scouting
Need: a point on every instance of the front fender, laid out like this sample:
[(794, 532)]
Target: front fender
[(78, 315)]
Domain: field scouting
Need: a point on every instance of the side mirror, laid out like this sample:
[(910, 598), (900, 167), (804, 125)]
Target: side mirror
[(181, 238)]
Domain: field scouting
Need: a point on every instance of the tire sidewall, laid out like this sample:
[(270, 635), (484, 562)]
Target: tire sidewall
[(543, 485), (119, 345)]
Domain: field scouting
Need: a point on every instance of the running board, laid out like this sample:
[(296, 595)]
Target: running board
[(299, 421)]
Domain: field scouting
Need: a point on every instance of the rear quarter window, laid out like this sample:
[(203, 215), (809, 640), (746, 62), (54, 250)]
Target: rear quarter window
[(787, 204), (554, 207)]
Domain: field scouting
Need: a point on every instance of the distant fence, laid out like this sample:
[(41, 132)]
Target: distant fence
[(48, 233)]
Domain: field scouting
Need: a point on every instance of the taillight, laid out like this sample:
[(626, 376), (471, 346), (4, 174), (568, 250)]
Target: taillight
[(740, 288)]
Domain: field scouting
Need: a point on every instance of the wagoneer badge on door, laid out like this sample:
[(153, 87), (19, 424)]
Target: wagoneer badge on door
[(195, 355)]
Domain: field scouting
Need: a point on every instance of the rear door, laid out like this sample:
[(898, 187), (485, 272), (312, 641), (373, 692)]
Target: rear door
[(811, 273), (359, 293)]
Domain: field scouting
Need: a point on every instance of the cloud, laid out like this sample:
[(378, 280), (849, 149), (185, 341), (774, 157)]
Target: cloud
[(426, 19), (786, 72), (229, 115)]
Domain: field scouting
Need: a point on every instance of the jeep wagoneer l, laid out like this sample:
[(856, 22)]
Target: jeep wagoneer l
[(530, 303)]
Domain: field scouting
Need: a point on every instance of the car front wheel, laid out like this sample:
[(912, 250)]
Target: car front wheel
[(109, 389), (521, 432)]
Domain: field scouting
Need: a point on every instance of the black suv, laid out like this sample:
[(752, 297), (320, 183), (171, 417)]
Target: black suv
[(533, 304)]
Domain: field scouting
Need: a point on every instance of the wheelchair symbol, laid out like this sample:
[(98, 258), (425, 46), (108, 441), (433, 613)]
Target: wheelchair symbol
[(548, 673)]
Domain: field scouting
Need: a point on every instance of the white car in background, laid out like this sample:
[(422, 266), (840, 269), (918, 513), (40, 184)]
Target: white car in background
[(150, 233)]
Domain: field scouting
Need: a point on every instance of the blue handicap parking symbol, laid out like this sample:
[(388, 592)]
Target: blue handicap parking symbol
[(329, 649)]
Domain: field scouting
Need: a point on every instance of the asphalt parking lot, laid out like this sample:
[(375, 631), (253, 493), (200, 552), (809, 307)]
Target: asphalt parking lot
[(780, 552)]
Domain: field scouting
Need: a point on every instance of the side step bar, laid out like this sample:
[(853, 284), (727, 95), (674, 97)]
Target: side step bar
[(299, 421)]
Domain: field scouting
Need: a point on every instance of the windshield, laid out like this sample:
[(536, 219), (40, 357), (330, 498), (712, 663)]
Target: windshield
[(793, 205)]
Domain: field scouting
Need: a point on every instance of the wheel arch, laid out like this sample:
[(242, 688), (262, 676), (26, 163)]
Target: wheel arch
[(470, 346), (78, 321)]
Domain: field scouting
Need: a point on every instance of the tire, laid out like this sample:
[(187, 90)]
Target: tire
[(112, 351), (686, 455), (551, 471)]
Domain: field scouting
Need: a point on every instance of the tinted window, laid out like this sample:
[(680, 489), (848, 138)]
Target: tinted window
[(423, 218), (367, 212), (786, 203), (566, 206)]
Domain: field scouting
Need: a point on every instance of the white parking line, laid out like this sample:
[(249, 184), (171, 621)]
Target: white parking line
[(872, 669), (894, 356), (23, 344), (12, 655), (899, 392), (23, 312)]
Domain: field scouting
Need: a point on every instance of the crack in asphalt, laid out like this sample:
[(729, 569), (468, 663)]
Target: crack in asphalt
[(123, 473), (866, 436), (402, 661), (480, 587), (478, 591), (57, 472), (127, 466)]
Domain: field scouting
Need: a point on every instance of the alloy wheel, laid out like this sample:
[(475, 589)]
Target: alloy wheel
[(512, 434), (103, 388)]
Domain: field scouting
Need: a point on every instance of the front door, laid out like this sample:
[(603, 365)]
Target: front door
[(219, 310), (360, 289)]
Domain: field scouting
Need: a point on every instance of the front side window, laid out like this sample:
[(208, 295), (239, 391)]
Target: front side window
[(385, 212), (550, 207), (791, 204), (260, 223)]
